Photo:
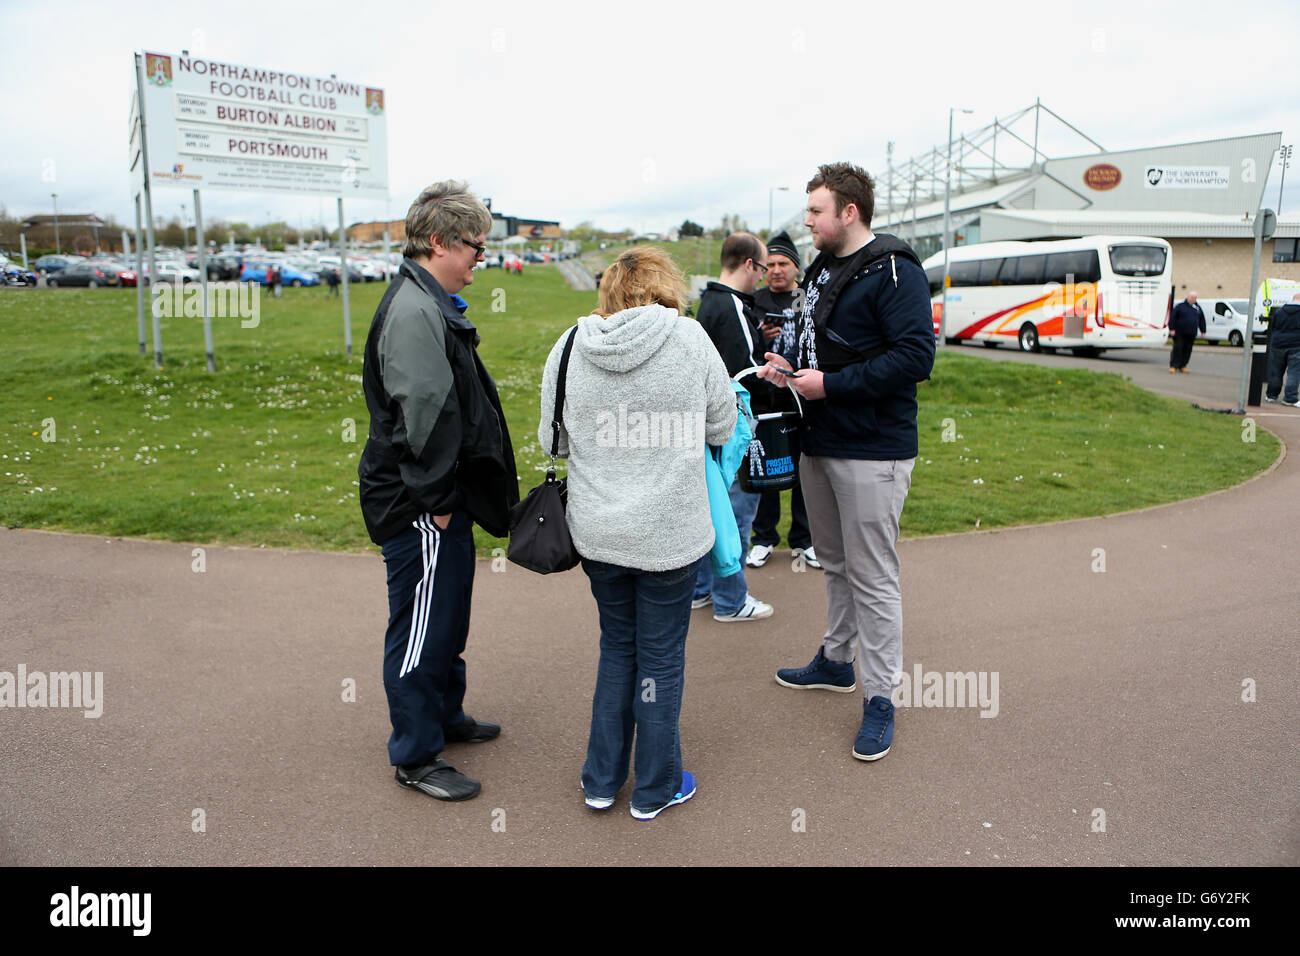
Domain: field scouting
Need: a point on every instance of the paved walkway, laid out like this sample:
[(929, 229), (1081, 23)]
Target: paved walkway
[(1119, 694)]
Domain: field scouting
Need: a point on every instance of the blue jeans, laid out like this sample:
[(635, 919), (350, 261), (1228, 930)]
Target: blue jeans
[(643, 620), (729, 592), (1288, 360)]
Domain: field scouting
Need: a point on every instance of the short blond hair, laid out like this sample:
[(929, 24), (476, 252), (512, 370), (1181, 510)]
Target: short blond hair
[(643, 275), (447, 210)]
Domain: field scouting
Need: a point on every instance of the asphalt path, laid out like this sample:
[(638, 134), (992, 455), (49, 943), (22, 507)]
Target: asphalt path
[(1145, 713)]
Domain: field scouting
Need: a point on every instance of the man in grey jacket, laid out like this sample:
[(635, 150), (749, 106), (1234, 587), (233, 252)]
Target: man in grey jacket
[(438, 459)]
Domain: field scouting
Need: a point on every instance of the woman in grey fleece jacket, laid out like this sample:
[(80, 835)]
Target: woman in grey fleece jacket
[(645, 392)]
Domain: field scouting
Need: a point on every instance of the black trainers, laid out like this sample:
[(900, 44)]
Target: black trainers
[(439, 780), (471, 731)]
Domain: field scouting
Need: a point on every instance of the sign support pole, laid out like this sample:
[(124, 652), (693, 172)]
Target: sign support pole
[(148, 211), (139, 276), (1264, 223), (203, 273), (343, 275)]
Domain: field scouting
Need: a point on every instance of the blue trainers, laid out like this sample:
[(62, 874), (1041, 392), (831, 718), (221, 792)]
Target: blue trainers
[(684, 794), (821, 674), (877, 731)]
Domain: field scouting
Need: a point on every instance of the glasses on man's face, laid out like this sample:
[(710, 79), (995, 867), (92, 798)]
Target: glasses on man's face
[(760, 265), (478, 249)]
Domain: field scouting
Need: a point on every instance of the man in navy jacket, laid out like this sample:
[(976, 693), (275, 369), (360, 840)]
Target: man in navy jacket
[(1284, 352), (865, 340), (1186, 323)]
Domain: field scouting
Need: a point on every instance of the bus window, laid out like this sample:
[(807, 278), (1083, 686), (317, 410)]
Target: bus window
[(1137, 260), (1029, 269), (1080, 266), (963, 273), (935, 277), (989, 269)]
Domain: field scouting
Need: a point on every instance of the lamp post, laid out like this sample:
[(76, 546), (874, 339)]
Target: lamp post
[(1284, 157), (771, 193), (58, 246), (947, 223)]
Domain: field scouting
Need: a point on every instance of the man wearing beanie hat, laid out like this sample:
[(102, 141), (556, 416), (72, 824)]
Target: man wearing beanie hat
[(776, 301)]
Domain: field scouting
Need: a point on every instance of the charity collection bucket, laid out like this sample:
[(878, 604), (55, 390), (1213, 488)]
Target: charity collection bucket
[(771, 462)]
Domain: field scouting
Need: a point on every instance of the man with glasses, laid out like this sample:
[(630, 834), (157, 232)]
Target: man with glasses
[(735, 325), (438, 459)]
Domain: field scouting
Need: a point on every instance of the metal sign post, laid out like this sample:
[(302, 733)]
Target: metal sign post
[(148, 212), (1265, 225), (203, 274), (343, 275), (139, 275)]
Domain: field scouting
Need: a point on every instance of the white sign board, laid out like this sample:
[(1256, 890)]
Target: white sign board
[(212, 123), (1186, 177)]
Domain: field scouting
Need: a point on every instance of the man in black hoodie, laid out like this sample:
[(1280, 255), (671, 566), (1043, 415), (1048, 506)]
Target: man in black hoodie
[(1284, 352), (728, 314), (865, 340)]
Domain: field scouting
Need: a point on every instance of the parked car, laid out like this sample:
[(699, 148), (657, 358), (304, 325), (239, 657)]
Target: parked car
[(92, 275), (170, 271), (48, 265), (290, 275), (125, 273), (1225, 320), (328, 264)]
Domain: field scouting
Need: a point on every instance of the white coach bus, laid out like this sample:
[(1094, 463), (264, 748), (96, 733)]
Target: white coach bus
[(1087, 295)]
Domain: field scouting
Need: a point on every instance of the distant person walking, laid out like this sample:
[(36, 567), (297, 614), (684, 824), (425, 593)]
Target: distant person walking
[(1186, 323), (638, 511), (1284, 353), (332, 280)]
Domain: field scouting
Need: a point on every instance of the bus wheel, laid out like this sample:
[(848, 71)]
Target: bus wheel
[(1234, 338), (991, 344), (1028, 338)]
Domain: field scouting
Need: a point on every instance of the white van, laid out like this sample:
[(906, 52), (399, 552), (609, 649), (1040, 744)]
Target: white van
[(1273, 293), (1225, 319)]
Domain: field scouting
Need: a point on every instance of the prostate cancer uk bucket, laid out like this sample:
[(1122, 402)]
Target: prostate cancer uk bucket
[(771, 462)]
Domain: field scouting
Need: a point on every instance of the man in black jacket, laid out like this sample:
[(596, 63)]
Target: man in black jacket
[(1284, 352), (728, 314), (777, 301), (1186, 323), (438, 458), (865, 340)]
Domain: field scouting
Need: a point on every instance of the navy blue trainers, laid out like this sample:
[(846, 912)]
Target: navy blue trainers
[(821, 674), (877, 731)]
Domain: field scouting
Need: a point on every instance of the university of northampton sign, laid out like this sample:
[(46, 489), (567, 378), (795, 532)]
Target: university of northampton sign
[(1103, 176)]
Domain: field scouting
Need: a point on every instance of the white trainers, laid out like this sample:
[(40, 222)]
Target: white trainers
[(752, 610), (809, 557), (758, 555), (697, 603)]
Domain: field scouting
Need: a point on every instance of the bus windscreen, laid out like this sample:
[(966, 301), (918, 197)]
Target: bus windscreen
[(1137, 260)]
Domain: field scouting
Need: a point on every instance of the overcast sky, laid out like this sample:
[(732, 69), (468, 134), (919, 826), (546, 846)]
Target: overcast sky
[(641, 119)]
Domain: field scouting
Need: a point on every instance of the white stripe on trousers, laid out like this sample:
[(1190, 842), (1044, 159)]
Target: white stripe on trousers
[(423, 602)]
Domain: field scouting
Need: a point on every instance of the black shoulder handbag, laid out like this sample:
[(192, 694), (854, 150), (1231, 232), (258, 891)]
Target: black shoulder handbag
[(539, 533)]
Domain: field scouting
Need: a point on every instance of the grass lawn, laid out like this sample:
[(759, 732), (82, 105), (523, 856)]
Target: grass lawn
[(265, 450)]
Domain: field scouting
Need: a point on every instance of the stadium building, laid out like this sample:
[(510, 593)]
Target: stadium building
[(1201, 196)]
